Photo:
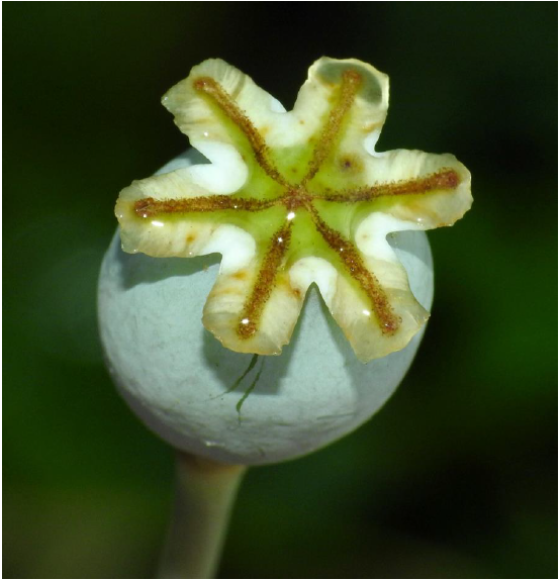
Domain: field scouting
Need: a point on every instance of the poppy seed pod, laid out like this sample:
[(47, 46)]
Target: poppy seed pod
[(314, 313), (178, 378)]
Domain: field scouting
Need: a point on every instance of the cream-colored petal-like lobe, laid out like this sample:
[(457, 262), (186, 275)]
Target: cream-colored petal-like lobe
[(224, 311), (358, 321), (198, 116), (318, 95), (153, 235), (352, 309), (444, 199), (147, 228)]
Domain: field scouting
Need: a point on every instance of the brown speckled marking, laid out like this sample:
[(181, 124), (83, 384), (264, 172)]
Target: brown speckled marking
[(350, 164), (266, 278)]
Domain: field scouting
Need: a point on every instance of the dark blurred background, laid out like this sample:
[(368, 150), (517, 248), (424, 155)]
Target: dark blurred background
[(456, 476)]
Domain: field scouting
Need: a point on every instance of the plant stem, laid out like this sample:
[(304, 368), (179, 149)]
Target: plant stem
[(204, 494)]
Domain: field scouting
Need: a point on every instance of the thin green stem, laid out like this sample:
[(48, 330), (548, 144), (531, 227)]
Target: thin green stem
[(204, 496)]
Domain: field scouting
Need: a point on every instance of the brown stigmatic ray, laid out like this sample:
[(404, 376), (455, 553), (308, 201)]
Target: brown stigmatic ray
[(446, 179), (351, 82), (266, 278), (150, 207), (228, 106), (356, 268)]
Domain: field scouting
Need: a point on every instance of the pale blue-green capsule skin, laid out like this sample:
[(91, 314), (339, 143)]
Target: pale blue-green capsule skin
[(177, 377)]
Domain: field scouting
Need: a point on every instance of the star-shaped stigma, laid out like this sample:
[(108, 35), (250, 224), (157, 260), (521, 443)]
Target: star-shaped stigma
[(291, 199)]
